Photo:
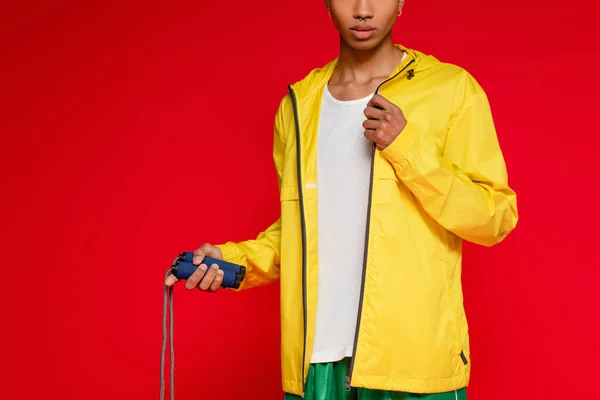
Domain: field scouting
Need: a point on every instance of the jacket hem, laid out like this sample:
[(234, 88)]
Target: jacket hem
[(292, 387), (407, 385), (412, 385)]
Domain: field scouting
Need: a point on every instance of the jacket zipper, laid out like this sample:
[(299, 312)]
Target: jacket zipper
[(366, 249), (303, 226)]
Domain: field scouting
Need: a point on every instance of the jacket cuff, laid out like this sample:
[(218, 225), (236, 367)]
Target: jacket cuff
[(404, 144), (230, 253)]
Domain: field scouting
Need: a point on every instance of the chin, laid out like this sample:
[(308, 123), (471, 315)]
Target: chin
[(363, 45)]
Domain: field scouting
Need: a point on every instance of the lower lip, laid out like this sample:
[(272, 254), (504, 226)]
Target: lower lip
[(362, 34)]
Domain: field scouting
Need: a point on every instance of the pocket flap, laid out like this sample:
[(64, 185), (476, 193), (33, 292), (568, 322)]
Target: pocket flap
[(289, 192)]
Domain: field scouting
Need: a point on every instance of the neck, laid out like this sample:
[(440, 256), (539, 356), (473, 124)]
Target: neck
[(364, 65)]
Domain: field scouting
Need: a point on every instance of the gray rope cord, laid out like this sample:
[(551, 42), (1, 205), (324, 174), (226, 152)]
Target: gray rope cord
[(167, 295)]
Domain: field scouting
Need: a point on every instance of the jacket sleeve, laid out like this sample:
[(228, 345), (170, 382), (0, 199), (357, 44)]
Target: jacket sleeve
[(464, 187), (260, 256)]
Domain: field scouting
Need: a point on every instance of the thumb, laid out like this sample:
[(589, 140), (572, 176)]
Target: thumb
[(199, 254), (206, 250), (215, 252)]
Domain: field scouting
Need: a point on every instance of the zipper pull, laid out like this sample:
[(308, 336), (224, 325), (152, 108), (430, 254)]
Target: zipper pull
[(347, 383)]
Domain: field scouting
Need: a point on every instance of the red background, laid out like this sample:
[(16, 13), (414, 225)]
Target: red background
[(132, 131)]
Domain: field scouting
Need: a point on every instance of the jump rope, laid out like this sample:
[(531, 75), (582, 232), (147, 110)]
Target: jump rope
[(183, 268)]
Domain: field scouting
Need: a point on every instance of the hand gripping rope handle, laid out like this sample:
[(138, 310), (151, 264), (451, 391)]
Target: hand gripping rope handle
[(183, 268)]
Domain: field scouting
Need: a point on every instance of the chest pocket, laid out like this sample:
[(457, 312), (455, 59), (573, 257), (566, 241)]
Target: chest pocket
[(289, 192)]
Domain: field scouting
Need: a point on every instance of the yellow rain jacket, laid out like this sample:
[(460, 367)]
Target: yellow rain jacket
[(443, 180)]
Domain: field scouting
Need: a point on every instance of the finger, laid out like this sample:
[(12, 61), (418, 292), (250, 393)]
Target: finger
[(218, 281), (371, 135), (371, 124), (374, 113), (378, 101), (209, 278), (171, 280), (196, 277)]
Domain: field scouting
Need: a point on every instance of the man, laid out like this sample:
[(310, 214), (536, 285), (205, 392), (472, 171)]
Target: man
[(387, 160)]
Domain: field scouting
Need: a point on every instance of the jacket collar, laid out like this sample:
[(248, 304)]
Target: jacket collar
[(313, 84)]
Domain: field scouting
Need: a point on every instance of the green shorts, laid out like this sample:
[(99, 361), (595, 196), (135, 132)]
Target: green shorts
[(327, 382)]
